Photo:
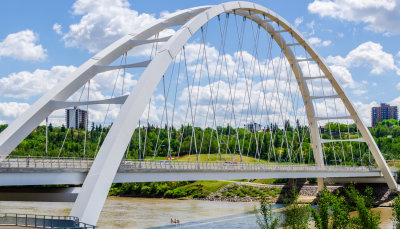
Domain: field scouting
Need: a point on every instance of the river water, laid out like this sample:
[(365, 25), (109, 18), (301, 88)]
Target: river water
[(125, 212)]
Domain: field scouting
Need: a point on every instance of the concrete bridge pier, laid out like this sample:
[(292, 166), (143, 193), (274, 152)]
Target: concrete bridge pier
[(321, 184)]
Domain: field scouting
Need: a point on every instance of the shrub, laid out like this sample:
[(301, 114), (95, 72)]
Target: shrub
[(328, 201), (297, 214), (396, 212), (366, 219), (168, 194), (265, 219), (145, 190), (199, 195), (321, 215), (398, 176)]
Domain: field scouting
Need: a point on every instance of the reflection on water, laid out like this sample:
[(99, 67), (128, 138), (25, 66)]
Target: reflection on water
[(120, 212)]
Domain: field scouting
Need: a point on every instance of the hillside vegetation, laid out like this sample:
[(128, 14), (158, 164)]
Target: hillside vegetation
[(274, 145)]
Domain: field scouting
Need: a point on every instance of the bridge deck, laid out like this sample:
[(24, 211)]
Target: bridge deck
[(34, 171)]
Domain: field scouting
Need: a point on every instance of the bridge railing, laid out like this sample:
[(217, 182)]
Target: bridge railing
[(44, 162), (135, 164), (42, 221), (131, 164)]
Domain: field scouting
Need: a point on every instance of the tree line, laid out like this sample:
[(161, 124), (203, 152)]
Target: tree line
[(274, 143)]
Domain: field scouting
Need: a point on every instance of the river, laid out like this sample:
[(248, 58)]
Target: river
[(125, 212)]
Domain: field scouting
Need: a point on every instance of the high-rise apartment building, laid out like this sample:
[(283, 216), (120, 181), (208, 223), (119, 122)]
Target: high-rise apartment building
[(75, 118), (253, 127), (384, 112)]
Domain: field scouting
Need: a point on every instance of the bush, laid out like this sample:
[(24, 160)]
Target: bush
[(280, 181), (312, 180), (321, 215), (179, 192), (199, 195), (265, 219), (328, 201), (396, 212), (145, 190), (366, 219), (169, 194), (297, 214)]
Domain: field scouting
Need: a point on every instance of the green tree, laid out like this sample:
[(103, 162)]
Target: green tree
[(366, 219), (265, 219), (297, 214), (321, 214), (396, 212)]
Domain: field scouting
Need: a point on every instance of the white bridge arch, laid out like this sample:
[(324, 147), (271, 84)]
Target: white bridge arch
[(100, 177)]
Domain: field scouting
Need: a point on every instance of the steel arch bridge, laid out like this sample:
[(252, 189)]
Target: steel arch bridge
[(105, 166)]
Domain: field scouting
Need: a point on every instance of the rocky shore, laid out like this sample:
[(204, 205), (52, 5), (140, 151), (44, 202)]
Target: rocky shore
[(307, 193)]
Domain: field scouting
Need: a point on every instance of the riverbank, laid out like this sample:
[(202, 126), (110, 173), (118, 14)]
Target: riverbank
[(307, 193), (239, 191)]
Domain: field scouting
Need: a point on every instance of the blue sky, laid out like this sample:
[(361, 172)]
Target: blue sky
[(42, 41)]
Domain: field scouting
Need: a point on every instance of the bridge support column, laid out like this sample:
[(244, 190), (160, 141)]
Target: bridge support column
[(321, 184)]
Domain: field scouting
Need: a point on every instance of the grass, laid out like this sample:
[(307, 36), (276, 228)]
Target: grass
[(265, 181), (198, 189), (216, 158), (211, 186), (224, 157), (249, 191)]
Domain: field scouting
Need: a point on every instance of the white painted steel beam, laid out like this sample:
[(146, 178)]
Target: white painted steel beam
[(325, 97), (142, 64), (149, 41), (333, 118), (304, 60), (56, 105), (315, 77), (342, 140)]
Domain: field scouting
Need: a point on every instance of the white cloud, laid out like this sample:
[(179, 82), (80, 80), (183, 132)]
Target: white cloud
[(343, 75), (398, 86), (103, 22), (26, 84), (368, 54), (311, 26), (318, 42), (364, 110), (57, 28), (359, 91), (326, 43), (11, 110), (374, 84), (298, 21), (380, 16), (23, 46)]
